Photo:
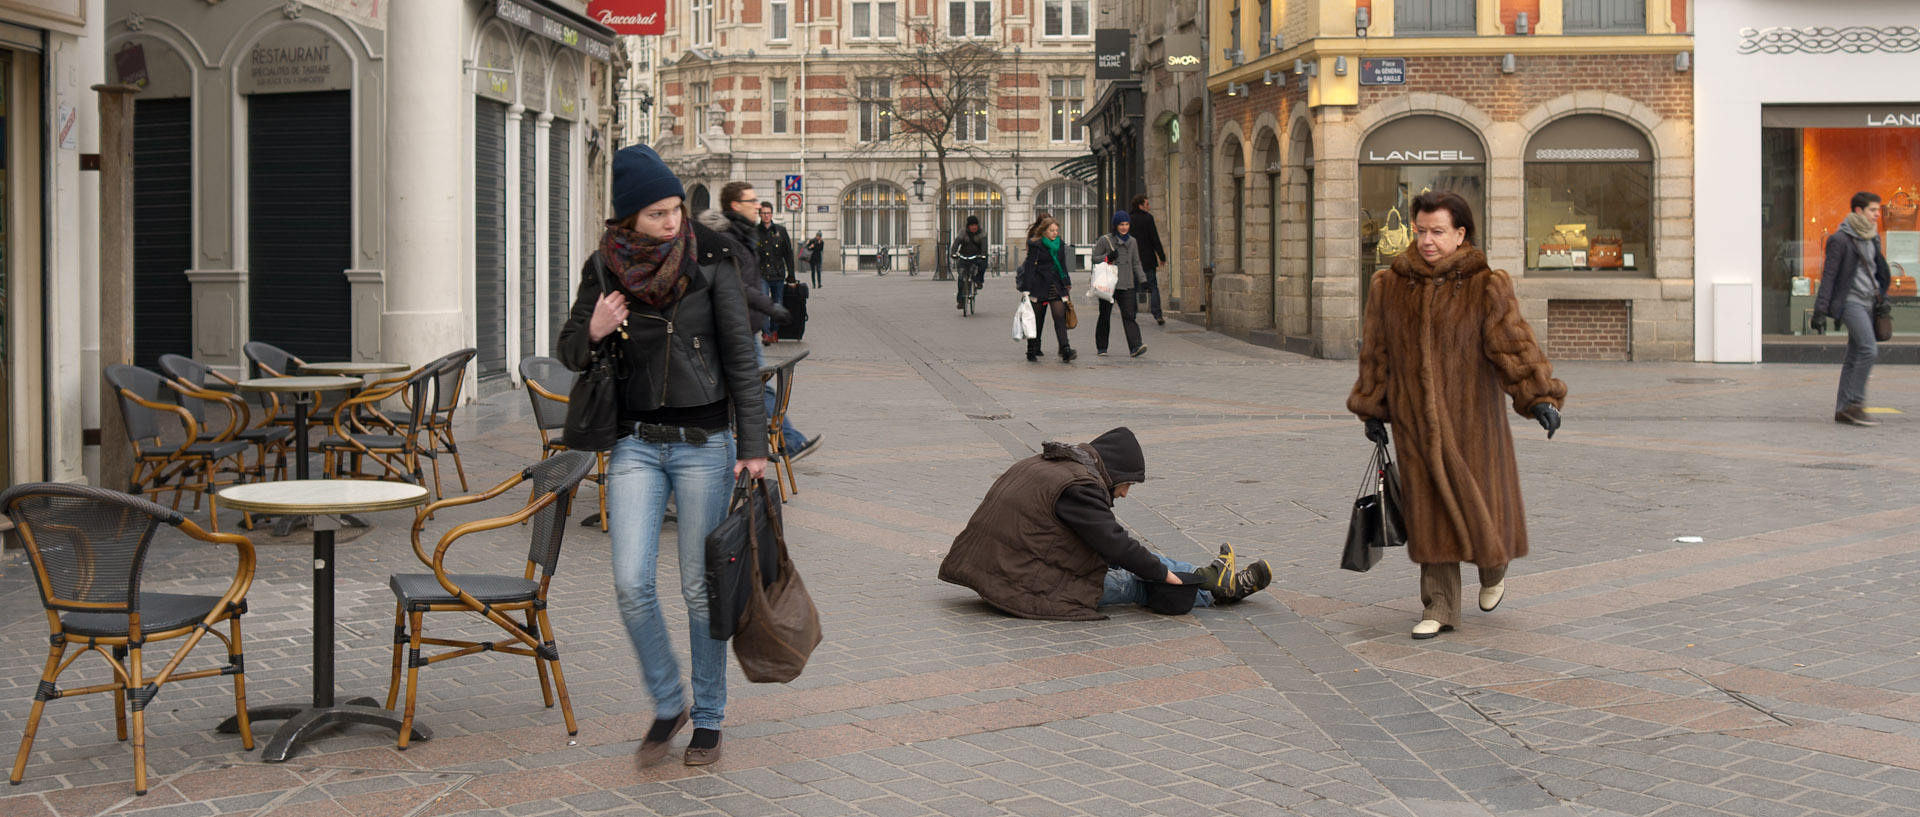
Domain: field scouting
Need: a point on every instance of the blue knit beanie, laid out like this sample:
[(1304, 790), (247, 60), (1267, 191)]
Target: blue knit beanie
[(640, 179), (1120, 218)]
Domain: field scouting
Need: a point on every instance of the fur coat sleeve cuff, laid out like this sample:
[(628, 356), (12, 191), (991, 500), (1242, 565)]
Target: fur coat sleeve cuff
[(1510, 344)]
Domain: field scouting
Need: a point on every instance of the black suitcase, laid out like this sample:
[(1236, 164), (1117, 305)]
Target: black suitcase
[(796, 304)]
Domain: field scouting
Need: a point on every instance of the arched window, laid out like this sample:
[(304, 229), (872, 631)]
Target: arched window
[(700, 199), (1072, 204), (873, 213), (1589, 183), (975, 199)]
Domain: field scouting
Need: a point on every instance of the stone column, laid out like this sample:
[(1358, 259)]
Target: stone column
[(116, 272), (425, 315), (543, 253), (516, 272)]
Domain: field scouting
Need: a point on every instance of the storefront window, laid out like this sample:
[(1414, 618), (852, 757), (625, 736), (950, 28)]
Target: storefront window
[(1814, 158), (1589, 197), (1399, 161)]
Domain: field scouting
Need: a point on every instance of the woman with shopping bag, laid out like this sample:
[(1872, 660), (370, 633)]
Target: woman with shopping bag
[(1119, 249), (1443, 351), (1043, 280)]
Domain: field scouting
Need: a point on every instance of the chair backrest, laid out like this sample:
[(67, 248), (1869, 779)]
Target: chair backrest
[(559, 474), (142, 423), (88, 545), (548, 414), (450, 376), (268, 360), (783, 386), (193, 373)]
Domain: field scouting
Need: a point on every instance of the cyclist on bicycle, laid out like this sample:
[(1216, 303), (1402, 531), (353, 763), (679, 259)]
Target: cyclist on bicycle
[(883, 259), (970, 255)]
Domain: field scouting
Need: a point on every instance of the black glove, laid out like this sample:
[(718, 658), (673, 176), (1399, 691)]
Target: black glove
[(1548, 416), (1377, 432), (1819, 323), (780, 315)]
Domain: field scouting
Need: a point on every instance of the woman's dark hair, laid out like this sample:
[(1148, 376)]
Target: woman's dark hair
[(1434, 201)]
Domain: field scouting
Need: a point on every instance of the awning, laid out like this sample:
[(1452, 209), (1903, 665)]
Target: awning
[(1084, 168), (559, 24)]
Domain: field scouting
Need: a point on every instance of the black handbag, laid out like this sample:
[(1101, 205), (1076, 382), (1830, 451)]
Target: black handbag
[(729, 569), (1375, 523), (593, 406)]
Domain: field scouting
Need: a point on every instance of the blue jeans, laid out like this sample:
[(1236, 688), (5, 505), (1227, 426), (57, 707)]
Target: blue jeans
[(1125, 588), (1152, 290), (700, 478), (777, 290), (795, 439)]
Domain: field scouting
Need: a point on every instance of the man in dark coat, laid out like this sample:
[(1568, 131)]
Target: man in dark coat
[(970, 259), (1854, 280), (1152, 254), (1045, 544), (775, 249), (718, 233)]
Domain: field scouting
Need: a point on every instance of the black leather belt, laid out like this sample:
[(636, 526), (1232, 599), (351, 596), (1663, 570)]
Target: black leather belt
[(650, 433)]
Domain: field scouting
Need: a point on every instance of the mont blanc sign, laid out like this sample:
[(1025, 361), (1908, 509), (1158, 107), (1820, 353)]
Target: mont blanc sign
[(630, 16)]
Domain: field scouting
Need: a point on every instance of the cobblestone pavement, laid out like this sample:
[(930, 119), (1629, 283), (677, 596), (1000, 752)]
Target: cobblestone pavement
[(1769, 670)]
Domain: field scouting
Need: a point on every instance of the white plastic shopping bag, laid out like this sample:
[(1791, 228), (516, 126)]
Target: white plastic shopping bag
[(1023, 323), (1105, 276)]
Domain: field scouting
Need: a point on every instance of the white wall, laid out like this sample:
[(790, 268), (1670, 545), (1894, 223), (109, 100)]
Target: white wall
[(1729, 88)]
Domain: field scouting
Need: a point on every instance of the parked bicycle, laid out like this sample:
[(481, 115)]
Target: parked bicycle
[(913, 260), (882, 259)]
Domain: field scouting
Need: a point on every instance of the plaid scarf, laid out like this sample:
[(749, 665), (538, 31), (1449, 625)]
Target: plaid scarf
[(652, 270)]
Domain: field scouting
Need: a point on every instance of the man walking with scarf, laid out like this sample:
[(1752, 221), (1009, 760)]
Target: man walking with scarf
[(1853, 282)]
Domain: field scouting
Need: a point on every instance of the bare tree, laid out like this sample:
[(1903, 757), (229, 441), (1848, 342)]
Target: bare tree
[(933, 92)]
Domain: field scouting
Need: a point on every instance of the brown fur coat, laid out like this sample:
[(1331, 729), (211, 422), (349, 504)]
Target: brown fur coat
[(1439, 345)]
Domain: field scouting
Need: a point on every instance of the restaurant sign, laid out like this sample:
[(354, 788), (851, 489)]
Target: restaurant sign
[(597, 44), (296, 59)]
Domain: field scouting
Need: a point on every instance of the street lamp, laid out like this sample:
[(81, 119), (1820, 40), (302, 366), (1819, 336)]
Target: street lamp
[(920, 182)]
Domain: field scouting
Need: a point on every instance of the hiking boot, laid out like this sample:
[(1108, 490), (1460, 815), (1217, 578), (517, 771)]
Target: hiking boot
[(1220, 577), (1247, 581)]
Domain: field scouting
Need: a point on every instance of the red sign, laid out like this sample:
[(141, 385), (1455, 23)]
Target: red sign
[(630, 16)]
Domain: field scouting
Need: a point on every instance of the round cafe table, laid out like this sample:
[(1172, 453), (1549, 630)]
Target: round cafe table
[(322, 499), (352, 367), (302, 389)]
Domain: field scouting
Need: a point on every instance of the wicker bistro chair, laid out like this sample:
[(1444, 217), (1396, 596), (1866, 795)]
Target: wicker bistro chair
[(266, 438), (360, 434), (491, 596), (450, 377), (268, 360), (782, 376), (548, 383), (89, 547), (195, 463)]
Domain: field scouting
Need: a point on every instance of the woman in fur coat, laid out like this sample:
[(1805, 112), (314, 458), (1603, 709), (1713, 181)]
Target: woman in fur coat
[(1441, 341)]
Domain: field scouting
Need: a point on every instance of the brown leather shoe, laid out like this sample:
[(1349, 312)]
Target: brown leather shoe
[(1856, 415), (702, 757), (652, 751)]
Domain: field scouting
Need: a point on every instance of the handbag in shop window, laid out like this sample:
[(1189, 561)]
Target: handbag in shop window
[(1904, 285), (1606, 252), (1394, 237), (1555, 256), (1902, 211)]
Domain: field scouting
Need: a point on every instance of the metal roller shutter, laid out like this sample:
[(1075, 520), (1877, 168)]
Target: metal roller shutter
[(299, 217), (529, 279), (560, 252), (490, 237), (162, 229)]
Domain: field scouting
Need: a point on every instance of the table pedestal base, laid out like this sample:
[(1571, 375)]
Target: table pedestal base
[(303, 722)]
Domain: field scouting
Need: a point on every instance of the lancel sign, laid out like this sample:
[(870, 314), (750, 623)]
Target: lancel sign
[(1420, 155)]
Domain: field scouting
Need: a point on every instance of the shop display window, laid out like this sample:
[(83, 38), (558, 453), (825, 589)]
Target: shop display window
[(1589, 198), (1810, 174), (1399, 161)]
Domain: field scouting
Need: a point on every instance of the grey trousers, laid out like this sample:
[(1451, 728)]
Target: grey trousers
[(1440, 589), (1857, 316)]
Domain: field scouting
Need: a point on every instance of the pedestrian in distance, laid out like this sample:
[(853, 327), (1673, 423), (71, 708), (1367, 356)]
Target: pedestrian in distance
[(1044, 543), (721, 235), (1854, 280), (816, 250), (679, 422), (1119, 248), (1043, 278), (970, 257), (775, 250), (1441, 340), (1152, 253)]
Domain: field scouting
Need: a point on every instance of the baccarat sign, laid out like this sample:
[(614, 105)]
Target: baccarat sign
[(630, 16)]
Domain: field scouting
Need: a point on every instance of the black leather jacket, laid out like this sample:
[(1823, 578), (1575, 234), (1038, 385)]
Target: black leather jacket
[(694, 351)]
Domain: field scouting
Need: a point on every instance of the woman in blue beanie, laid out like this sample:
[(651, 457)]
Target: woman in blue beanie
[(686, 349), (1119, 249)]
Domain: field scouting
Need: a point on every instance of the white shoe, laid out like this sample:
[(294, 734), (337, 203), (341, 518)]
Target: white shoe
[(1490, 596), (1428, 628)]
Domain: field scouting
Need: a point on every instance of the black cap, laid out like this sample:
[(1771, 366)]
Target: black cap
[(1120, 453)]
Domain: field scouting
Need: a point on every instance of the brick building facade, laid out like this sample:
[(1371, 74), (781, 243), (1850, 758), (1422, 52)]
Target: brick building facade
[(1579, 116)]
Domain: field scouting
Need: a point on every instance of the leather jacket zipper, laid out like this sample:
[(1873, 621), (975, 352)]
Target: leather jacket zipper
[(702, 359)]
